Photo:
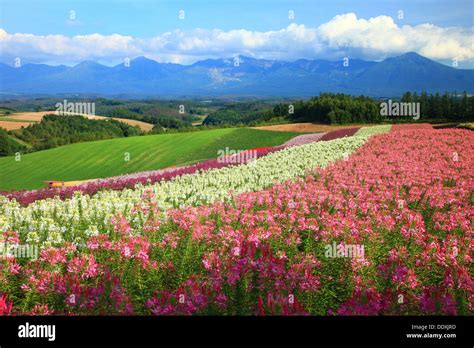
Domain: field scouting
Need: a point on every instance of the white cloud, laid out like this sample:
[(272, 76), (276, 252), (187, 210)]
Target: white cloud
[(344, 35)]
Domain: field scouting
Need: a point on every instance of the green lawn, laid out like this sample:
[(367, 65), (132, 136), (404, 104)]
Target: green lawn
[(106, 158)]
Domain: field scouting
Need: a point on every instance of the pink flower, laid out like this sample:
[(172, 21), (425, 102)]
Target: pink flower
[(41, 309), (126, 251), (143, 256), (236, 251), (92, 269), (5, 307), (15, 268), (411, 279)]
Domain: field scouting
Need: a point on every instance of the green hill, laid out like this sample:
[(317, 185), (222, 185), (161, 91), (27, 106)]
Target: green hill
[(107, 158)]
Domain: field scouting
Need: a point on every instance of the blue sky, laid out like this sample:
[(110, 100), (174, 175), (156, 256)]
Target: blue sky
[(146, 18), (141, 26)]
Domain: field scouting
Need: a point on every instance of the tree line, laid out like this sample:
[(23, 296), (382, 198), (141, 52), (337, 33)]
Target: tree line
[(448, 106), (331, 108)]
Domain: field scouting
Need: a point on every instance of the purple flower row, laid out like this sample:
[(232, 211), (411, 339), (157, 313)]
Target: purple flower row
[(304, 139), (340, 133)]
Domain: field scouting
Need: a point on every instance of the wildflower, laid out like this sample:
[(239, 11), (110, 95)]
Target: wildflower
[(5, 307)]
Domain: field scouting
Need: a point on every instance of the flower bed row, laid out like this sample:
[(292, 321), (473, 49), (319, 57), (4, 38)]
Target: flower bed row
[(52, 221), (408, 126), (340, 133), (373, 130), (149, 177), (401, 197), (304, 139), (125, 181)]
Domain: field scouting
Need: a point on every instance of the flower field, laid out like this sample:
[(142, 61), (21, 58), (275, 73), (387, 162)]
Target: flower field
[(268, 237), (148, 177), (123, 181), (50, 222)]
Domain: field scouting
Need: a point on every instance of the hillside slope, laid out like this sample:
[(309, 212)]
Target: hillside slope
[(106, 158), (19, 119)]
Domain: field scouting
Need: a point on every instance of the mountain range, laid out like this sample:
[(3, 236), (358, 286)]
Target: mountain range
[(243, 76)]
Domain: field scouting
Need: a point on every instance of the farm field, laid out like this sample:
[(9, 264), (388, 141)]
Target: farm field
[(12, 125), (106, 158), (23, 119), (376, 223)]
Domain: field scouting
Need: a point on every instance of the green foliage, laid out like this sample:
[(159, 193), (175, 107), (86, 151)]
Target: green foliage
[(240, 113), (170, 122), (8, 146), (332, 108), (5, 110), (155, 112), (341, 109), (223, 117), (446, 107)]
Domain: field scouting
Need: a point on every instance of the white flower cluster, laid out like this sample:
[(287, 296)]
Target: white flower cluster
[(369, 131)]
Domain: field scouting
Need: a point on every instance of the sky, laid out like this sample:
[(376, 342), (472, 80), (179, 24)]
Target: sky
[(184, 31)]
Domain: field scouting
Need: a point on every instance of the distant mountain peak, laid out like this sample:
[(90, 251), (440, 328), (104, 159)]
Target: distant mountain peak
[(143, 59), (414, 57), (411, 55), (250, 77), (88, 63)]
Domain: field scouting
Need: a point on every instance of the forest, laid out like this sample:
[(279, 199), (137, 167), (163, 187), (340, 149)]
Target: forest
[(8, 146), (330, 108)]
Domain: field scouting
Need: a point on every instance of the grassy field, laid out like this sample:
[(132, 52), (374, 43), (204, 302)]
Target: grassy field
[(100, 159)]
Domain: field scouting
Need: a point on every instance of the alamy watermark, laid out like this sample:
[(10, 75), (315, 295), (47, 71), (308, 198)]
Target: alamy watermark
[(76, 108), (18, 251), (236, 156), (355, 251), (37, 331), (396, 109)]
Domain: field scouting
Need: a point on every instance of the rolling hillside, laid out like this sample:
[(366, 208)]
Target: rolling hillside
[(106, 158), (23, 119)]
